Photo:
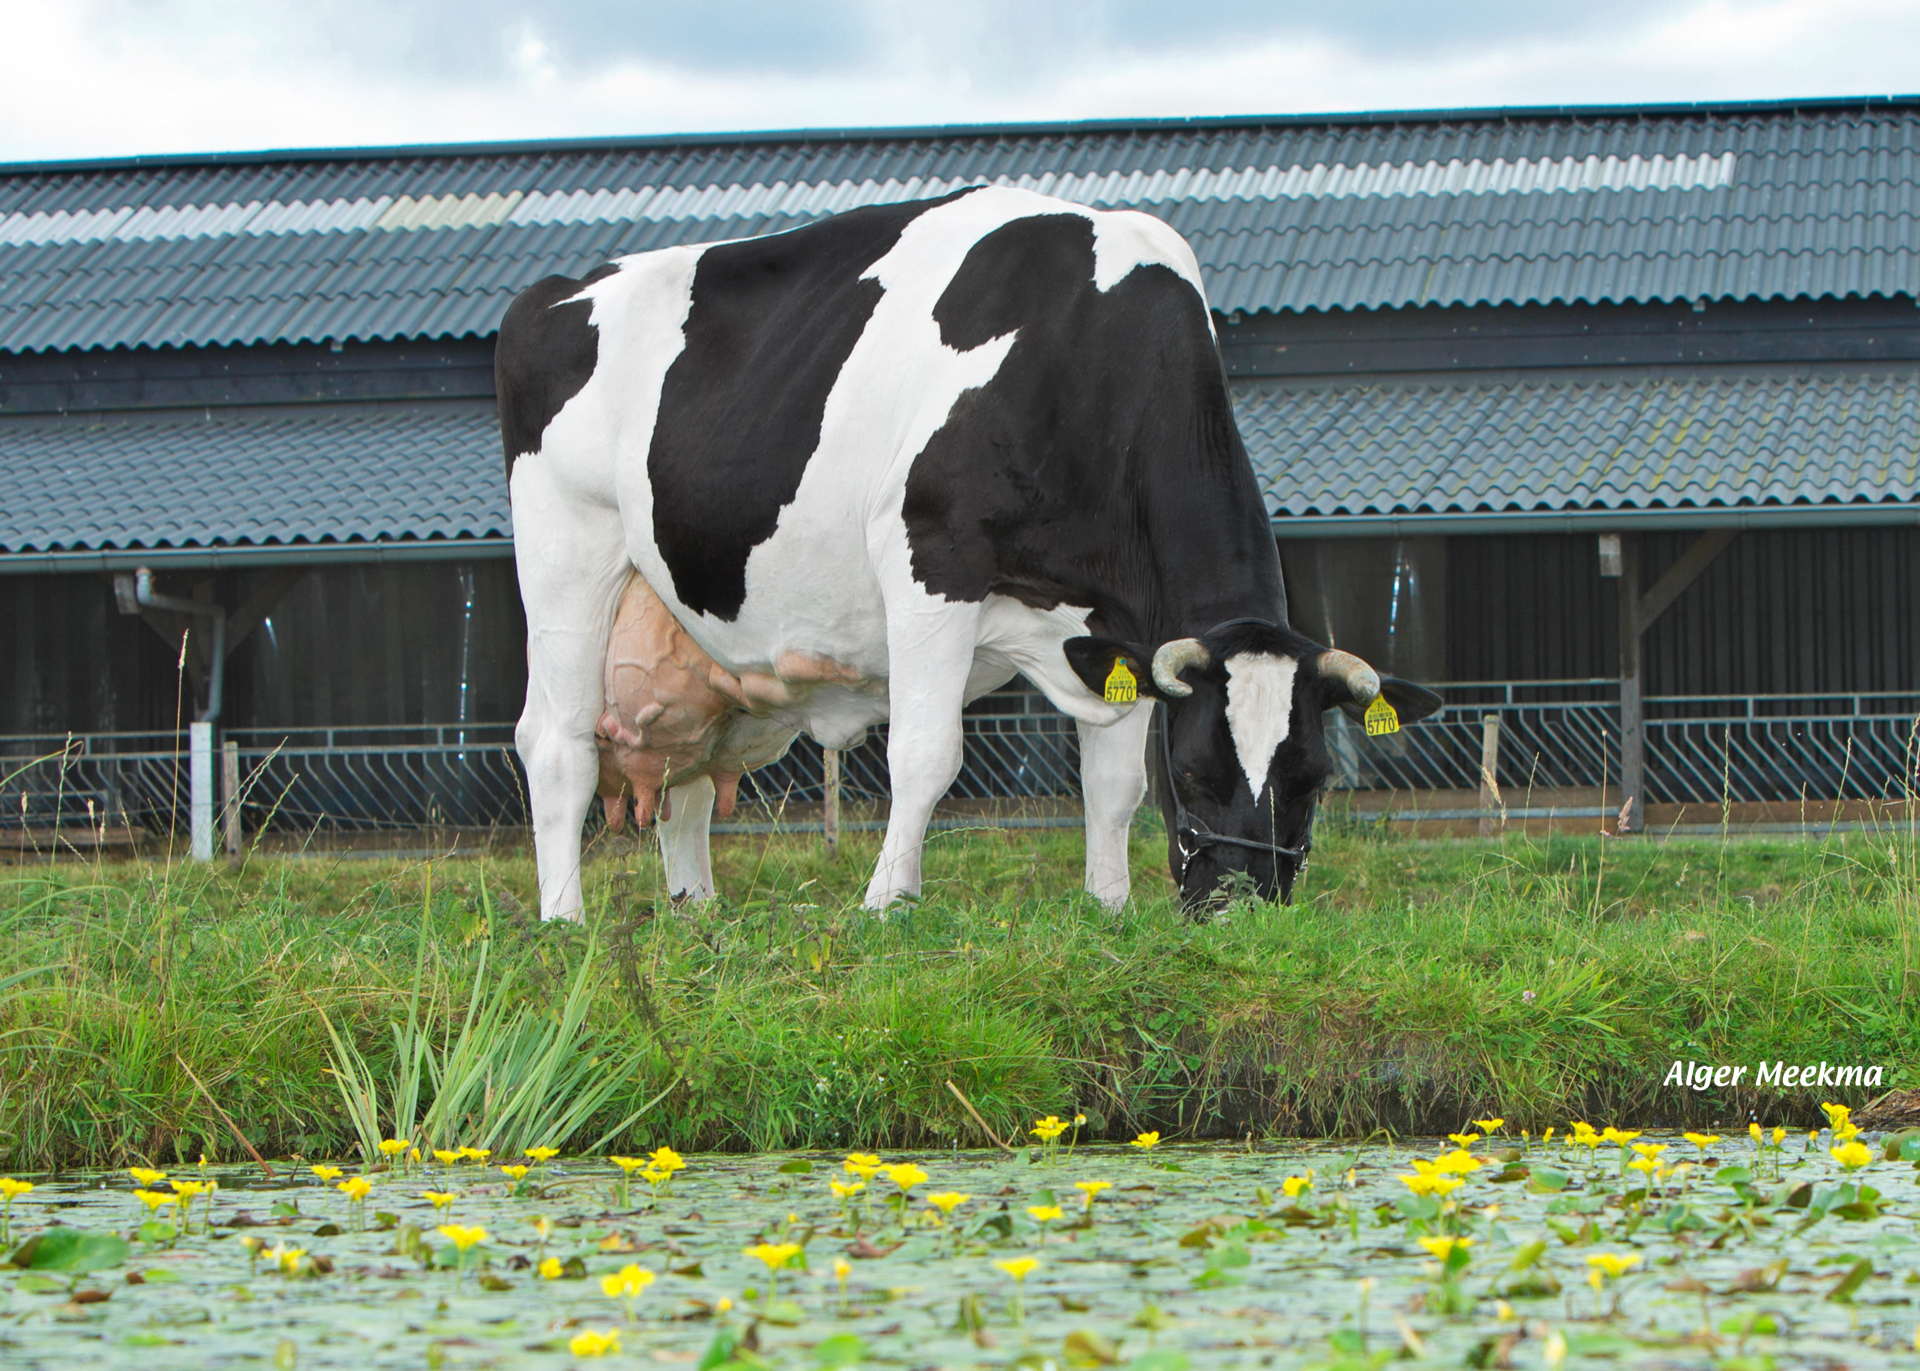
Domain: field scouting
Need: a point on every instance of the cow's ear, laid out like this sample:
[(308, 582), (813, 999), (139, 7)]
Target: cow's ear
[(1117, 672), (1410, 702)]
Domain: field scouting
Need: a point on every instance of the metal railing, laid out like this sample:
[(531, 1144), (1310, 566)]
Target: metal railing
[(1566, 734), (1554, 735)]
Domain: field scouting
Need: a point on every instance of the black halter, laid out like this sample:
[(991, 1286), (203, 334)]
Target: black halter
[(1190, 835)]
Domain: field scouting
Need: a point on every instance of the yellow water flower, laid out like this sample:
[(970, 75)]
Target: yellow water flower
[(1753, 1130), (1619, 1135), (1045, 1213), (1049, 1128), (948, 1201), (1489, 1126), (1444, 1247), (393, 1147), (628, 1164), (1458, 1163), (478, 1154), (440, 1198), (1702, 1140), (448, 1156), (861, 1164), (327, 1173), (1147, 1141), (146, 1175), (1852, 1155), (906, 1176), (1615, 1264), (286, 1259), (356, 1189), (153, 1199), (846, 1190), (1293, 1185), (515, 1172), (1650, 1149), (542, 1154), (590, 1342), (1463, 1139), (1432, 1183), (1092, 1189), (462, 1235), (551, 1269), (187, 1190), (1019, 1267), (1779, 1136), (627, 1282), (667, 1160), (775, 1255)]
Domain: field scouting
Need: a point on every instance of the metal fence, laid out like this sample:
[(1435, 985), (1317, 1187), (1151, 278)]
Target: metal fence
[(1699, 748), (1554, 734)]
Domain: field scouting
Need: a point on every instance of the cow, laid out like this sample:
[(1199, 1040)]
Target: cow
[(871, 468)]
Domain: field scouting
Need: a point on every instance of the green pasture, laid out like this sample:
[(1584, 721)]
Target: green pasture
[(323, 1000)]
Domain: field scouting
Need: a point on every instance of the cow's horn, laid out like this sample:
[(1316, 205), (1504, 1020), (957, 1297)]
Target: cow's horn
[(1174, 658), (1361, 680)]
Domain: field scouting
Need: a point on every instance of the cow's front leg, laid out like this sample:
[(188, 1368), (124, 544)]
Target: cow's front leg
[(927, 687), (683, 839), (572, 565), (1113, 778)]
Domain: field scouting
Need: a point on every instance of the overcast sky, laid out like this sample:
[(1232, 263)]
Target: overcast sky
[(112, 77)]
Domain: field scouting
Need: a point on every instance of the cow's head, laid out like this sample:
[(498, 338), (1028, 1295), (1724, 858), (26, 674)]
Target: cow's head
[(1245, 743)]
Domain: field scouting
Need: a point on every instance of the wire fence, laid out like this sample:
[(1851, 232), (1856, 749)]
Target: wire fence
[(1554, 734)]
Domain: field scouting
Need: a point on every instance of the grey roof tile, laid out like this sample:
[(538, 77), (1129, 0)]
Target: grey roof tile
[(1821, 202), (435, 471), (158, 481), (1658, 443)]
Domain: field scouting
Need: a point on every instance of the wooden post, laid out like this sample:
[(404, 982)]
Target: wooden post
[(1489, 774), (832, 824), (230, 797), (1633, 738)]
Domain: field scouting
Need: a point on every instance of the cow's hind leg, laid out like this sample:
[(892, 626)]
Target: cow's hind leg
[(1113, 777), (929, 660), (572, 564), (683, 839)]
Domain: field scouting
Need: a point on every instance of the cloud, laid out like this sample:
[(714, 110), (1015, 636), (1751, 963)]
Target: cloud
[(113, 77)]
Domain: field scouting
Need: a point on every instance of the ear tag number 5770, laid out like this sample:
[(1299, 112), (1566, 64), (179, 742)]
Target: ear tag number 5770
[(1381, 718), (1122, 687)]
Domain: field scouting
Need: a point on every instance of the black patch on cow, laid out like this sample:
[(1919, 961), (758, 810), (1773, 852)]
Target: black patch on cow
[(1101, 465), (546, 353), (771, 325)]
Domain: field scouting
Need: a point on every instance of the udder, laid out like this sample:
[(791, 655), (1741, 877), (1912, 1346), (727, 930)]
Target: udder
[(673, 713)]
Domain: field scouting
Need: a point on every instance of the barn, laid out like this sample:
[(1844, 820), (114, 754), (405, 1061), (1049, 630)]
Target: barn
[(1607, 419)]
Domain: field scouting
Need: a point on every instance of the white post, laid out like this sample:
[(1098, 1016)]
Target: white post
[(200, 774)]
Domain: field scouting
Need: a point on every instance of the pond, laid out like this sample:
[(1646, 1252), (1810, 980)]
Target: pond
[(1717, 1254)]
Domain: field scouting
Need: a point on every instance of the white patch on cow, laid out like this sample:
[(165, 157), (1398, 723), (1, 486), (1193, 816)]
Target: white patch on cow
[(1126, 239), (1259, 710)]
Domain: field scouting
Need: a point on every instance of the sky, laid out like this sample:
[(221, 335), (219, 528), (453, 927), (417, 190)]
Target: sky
[(117, 77)]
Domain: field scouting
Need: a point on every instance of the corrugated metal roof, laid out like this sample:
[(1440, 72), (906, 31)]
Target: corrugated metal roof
[(1650, 443), (161, 481), (1284, 215), (434, 471)]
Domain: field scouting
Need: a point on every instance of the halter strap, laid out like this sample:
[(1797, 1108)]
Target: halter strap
[(1190, 835)]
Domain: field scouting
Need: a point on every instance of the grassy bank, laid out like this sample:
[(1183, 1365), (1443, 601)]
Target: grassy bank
[(1416, 984)]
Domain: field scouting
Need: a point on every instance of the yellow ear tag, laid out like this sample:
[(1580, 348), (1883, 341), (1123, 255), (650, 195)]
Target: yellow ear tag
[(1381, 717), (1122, 688)]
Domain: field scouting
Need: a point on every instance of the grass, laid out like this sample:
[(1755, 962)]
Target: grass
[(320, 1001)]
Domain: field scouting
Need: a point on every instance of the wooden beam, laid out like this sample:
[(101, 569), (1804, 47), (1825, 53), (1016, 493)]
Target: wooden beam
[(1680, 575), (263, 602)]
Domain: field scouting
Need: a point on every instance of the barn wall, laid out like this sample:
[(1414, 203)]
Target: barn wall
[(1780, 611), (420, 642), (349, 645), (73, 663)]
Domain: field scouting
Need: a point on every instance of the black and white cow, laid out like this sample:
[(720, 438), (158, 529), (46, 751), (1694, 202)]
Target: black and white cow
[(870, 469)]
